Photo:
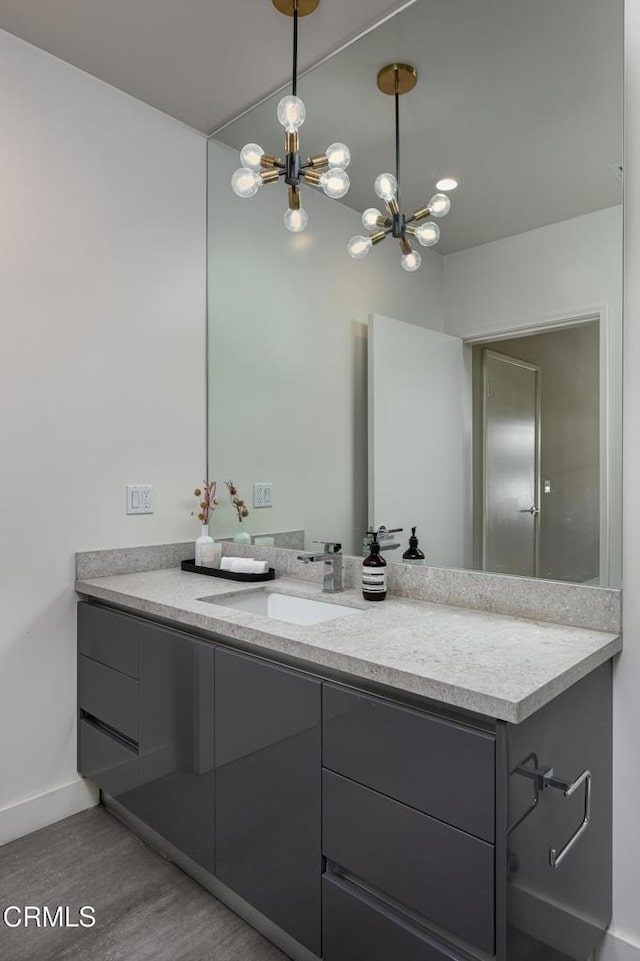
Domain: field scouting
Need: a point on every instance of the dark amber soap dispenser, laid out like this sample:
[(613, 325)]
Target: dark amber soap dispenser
[(374, 573), (413, 554)]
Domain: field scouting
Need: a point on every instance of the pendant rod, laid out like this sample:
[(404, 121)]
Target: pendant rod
[(294, 85), (397, 99)]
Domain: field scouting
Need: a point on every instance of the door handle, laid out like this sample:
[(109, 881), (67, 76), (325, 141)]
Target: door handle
[(531, 510)]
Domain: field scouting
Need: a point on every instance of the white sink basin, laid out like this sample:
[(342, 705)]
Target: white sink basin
[(284, 607)]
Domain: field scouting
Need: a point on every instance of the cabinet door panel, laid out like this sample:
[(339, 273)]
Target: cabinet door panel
[(268, 785), (437, 766), (108, 637), (356, 928), (175, 790), (435, 870), (108, 696), (109, 763)]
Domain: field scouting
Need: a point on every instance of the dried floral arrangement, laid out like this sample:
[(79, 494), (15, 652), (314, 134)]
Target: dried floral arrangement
[(239, 505), (208, 502)]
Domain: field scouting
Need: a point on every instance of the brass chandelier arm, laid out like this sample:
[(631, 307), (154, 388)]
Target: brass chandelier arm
[(393, 206), (268, 161), (405, 246), (379, 236), (318, 162), (294, 198), (312, 176), (292, 141), (420, 214), (270, 176)]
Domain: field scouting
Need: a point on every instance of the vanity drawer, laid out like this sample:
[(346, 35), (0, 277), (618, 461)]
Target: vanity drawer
[(438, 872), (109, 696), (111, 765), (442, 768), (108, 637), (356, 928)]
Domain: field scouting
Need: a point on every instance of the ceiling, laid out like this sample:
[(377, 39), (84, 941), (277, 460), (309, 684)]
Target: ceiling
[(202, 61), (521, 99)]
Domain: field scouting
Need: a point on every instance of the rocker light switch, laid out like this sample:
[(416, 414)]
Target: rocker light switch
[(140, 499), (262, 495)]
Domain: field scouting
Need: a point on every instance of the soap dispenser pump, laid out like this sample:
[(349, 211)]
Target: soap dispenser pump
[(374, 573), (413, 554)]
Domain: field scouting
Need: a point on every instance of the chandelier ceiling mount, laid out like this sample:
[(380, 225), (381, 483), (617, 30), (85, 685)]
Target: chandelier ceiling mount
[(327, 170), (396, 79)]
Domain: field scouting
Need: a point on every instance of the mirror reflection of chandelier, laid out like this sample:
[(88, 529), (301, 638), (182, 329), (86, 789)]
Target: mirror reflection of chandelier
[(396, 79), (327, 170)]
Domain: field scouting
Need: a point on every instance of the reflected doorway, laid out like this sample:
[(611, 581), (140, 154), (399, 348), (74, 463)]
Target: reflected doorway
[(511, 465), (536, 477)]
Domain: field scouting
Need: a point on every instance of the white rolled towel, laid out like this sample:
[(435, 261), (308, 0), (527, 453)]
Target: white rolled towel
[(243, 565)]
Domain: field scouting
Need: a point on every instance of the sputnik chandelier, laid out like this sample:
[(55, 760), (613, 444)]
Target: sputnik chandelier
[(327, 170), (396, 79)]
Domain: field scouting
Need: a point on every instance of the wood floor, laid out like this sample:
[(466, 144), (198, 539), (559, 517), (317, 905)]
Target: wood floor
[(146, 908)]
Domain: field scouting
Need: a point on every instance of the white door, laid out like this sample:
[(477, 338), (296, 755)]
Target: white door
[(416, 437), (511, 465)]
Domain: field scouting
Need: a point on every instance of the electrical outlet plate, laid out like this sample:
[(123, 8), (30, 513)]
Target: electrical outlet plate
[(140, 499), (262, 495)]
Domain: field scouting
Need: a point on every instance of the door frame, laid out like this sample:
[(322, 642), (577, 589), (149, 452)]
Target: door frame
[(514, 362), (610, 371)]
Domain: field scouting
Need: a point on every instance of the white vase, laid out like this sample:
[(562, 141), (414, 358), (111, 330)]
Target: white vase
[(242, 537), (205, 548)]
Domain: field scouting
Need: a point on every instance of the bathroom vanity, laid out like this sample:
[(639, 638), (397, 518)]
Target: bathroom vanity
[(348, 808)]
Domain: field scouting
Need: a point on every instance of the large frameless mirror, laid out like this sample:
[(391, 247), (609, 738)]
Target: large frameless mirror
[(477, 398)]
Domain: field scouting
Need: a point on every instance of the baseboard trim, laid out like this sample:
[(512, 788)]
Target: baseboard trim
[(38, 812), (618, 946)]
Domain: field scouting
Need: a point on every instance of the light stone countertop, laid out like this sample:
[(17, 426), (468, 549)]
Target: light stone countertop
[(500, 667)]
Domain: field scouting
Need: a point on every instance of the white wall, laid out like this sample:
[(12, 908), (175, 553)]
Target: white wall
[(102, 270), (564, 271), (623, 943), (566, 268), (288, 363)]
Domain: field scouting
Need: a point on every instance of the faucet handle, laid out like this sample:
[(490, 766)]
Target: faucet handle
[(331, 547)]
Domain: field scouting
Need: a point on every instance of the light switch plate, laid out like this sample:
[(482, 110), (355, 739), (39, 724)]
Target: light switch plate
[(262, 495), (140, 499)]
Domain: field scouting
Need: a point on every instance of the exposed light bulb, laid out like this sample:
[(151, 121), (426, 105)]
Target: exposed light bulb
[(447, 183), (291, 113), (335, 182), (411, 261), (386, 186), (251, 155), (439, 205), (245, 182), (338, 155), (296, 220), (428, 234), (370, 218), (359, 247)]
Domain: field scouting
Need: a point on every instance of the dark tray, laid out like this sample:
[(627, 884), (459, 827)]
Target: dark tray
[(227, 575)]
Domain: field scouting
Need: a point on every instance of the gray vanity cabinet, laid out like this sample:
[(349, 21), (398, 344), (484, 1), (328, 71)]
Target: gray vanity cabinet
[(145, 724), (358, 825), (108, 701), (268, 791), (174, 796), (357, 927), (409, 815), (442, 768)]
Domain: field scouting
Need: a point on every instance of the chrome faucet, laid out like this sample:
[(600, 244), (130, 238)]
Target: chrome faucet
[(332, 557)]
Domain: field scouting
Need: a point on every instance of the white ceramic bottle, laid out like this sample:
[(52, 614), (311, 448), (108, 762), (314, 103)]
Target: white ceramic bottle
[(205, 548)]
